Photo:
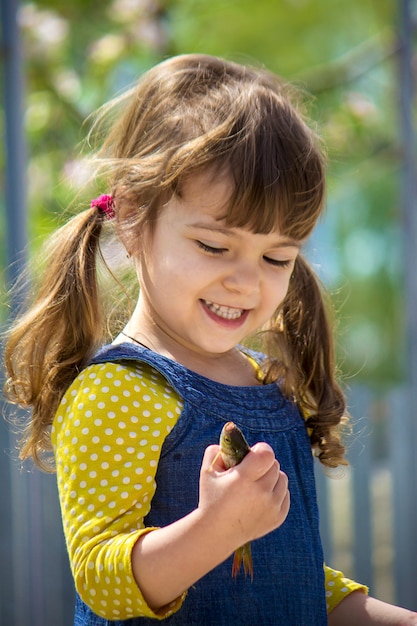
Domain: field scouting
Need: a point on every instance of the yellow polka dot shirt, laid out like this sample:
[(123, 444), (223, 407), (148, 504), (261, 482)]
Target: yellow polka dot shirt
[(107, 437)]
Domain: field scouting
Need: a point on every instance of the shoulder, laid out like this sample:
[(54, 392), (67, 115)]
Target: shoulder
[(122, 378), (125, 374), (131, 388)]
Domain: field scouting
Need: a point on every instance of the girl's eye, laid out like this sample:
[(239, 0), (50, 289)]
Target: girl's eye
[(210, 249), (277, 262)]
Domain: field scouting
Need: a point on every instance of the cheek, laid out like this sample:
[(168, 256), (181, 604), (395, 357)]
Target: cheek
[(278, 292), (174, 268), (183, 267), (171, 278)]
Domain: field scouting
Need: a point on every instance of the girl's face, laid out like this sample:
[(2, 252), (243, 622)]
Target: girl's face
[(205, 286)]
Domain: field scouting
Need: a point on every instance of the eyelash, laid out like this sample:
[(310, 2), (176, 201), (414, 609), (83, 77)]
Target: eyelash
[(219, 251), (277, 263), (210, 249)]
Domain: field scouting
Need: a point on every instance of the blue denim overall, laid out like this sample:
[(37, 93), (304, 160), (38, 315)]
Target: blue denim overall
[(288, 584)]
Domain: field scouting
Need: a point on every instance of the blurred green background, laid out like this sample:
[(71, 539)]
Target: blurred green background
[(79, 54)]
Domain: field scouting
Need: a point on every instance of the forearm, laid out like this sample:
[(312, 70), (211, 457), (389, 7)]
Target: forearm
[(167, 561), (236, 506), (361, 610)]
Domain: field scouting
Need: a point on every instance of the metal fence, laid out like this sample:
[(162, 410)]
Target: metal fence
[(367, 522), (362, 516), (36, 587)]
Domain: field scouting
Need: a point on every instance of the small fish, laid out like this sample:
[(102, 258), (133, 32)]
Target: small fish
[(233, 449)]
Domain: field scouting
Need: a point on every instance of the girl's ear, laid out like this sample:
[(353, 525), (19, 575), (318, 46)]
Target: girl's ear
[(130, 230), (137, 239)]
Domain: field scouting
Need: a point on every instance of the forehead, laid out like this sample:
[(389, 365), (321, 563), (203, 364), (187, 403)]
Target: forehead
[(208, 191), (214, 197), (203, 206), (214, 194)]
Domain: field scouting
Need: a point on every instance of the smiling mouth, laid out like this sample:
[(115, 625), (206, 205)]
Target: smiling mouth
[(226, 312)]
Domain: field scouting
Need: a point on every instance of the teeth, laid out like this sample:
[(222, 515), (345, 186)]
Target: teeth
[(224, 311)]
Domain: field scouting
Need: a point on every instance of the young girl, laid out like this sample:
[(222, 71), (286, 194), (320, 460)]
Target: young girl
[(216, 182)]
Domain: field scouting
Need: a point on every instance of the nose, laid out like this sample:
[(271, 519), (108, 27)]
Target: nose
[(243, 278)]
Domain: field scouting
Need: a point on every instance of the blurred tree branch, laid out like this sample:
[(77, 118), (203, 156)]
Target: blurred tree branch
[(353, 65)]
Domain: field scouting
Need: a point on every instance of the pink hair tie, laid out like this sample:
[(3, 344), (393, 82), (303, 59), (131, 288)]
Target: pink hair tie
[(104, 203)]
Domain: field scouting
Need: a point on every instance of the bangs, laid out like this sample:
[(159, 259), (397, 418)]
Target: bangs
[(270, 196), (275, 166)]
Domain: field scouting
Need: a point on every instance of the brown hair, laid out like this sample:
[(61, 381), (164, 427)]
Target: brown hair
[(188, 114)]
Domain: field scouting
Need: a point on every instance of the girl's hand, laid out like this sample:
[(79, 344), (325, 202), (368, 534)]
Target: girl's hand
[(236, 506), (248, 500), (361, 610)]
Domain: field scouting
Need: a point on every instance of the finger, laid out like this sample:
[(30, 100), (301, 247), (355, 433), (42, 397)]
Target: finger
[(284, 507), (281, 486), (271, 478), (259, 461), (212, 460), (275, 482)]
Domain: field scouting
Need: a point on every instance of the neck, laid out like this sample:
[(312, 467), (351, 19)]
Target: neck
[(135, 340), (230, 368)]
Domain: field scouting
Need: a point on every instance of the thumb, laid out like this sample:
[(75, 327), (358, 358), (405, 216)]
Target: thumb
[(212, 460)]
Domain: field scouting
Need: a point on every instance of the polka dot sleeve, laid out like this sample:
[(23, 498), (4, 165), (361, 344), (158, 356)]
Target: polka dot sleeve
[(338, 587), (107, 437)]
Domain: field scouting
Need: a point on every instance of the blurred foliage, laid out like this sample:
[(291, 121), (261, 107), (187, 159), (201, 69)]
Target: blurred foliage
[(79, 54)]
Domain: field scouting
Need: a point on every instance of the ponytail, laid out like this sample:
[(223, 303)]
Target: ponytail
[(51, 342), (301, 335)]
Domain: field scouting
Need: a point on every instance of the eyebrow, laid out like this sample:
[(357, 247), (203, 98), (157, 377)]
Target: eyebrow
[(284, 243)]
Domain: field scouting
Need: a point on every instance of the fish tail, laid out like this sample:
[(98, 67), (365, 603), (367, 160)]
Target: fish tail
[(247, 560), (243, 554), (237, 561)]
